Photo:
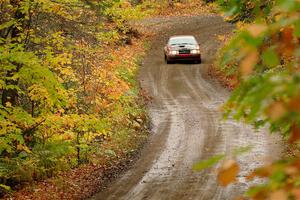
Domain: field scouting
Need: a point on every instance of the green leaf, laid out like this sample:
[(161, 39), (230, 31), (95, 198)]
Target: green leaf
[(204, 164), (278, 176), (255, 190), (297, 28), (7, 188), (7, 24), (110, 152), (270, 58), (241, 150), (232, 11), (288, 5)]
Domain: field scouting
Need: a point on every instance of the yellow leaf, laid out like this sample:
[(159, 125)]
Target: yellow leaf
[(256, 29), (21, 147), (8, 104), (221, 38), (228, 172), (279, 195)]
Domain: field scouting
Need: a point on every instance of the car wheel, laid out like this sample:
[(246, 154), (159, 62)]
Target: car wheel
[(167, 60), (198, 61)]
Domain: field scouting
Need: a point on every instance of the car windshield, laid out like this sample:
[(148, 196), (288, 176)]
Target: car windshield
[(182, 40)]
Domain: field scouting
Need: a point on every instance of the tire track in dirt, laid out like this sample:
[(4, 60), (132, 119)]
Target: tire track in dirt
[(187, 123)]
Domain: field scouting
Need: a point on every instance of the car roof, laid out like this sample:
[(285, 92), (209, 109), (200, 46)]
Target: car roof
[(182, 39), (182, 36)]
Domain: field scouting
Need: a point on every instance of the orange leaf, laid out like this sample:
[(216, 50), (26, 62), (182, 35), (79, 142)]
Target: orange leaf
[(287, 35), (291, 170), (296, 193), (251, 176), (276, 110), (261, 172), (248, 63), (228, 172), (294, 104), (279, 195), (256, 29), (295, 133), (288, 46)]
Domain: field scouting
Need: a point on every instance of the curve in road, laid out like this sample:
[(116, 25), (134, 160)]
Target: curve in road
[(187, 123)]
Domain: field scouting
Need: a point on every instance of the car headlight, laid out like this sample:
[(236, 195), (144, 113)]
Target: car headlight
[(173, 52), (195, 51)]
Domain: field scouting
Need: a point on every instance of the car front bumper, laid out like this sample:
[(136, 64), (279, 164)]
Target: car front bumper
[(184, 57)]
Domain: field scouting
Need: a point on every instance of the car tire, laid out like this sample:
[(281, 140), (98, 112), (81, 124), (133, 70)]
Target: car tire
[(167, 60)]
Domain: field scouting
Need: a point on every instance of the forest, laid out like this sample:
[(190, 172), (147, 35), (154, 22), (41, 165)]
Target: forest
[(63, 90), (70, 96)]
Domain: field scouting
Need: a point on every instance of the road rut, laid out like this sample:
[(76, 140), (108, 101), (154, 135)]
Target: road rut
[(187, 123)]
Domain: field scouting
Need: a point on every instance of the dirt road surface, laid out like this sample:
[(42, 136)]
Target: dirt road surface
[(187, 123)]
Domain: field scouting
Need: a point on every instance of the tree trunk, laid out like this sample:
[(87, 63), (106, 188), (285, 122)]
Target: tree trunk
[(11, 95), (171, 3)]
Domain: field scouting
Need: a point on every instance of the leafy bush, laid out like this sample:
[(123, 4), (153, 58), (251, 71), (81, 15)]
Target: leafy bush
[(264, 55), (122, 12), (246, 10), (59, 102)]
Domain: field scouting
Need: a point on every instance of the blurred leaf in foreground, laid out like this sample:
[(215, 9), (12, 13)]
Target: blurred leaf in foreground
[(227, 172), (208, 163)]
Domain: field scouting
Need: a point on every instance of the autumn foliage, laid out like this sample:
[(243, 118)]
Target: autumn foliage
[(263, 55), (63, 90)]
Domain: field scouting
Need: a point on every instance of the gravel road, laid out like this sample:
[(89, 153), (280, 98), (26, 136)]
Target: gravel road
[(187, 123)]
